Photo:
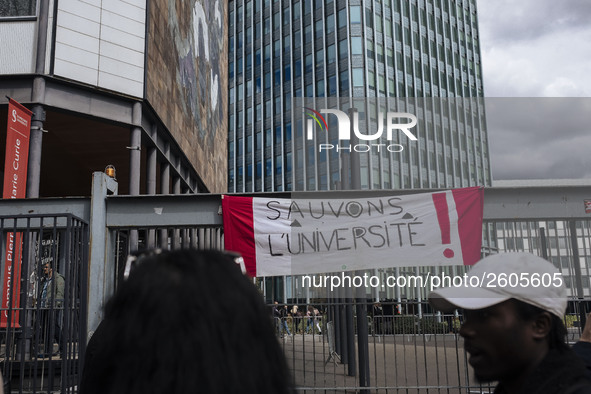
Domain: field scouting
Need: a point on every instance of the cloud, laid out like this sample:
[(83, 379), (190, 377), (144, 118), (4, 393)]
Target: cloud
[(537, 49), (503, 21), (543, 138)]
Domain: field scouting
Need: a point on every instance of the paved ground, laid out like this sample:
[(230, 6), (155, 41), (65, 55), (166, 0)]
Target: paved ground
[(397, 364)]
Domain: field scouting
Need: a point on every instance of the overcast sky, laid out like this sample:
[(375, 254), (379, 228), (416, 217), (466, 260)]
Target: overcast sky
[(533, 49)]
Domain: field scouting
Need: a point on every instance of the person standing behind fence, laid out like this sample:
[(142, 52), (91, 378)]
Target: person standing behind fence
[(296, 316), (317, 319), (185, 321), (284, 313), (378, 318), (309, 319), (276, 317), (51, 302)]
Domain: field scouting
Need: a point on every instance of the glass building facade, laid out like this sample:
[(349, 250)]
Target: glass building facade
[(283, 51)]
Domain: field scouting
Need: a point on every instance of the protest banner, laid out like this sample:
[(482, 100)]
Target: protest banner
[(293, 236)]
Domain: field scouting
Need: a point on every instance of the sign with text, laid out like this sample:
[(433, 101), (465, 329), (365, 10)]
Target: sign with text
[(15, 186), (294, 236)]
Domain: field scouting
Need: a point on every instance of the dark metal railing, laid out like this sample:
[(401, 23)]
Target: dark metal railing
[(43, 321), (407, 353)]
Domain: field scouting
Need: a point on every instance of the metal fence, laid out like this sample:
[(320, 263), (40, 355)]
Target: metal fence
[(43, 330), (404, 353), (410, 348), (347, 348), (128, 240)]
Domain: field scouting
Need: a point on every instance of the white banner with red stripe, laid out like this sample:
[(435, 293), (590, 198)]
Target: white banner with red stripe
[(293, 236)]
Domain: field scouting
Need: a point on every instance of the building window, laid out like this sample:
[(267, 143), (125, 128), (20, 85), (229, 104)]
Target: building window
[(356, 46), (296, 10), (355, 14), (267, 52), (288, 160), (278, 165), (329, 24), (267, 81), (319, 59), (319, 29), (342, 18), (308, 64), (343, 52), (371, 80), (320, 88), (307, 6), (380, 51), (249, 116), (332, 85), (368, 18), (388, 23), (259, 140), (382, 84), (358, 77), (257, 57), (297, 39), (267, 26), (308, 33), (297, 68), (344, 82), (330, 54)]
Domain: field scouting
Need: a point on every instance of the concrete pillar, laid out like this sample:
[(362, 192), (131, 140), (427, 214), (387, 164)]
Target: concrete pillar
[(35, 148), (135, 157), (151, 164), (165, 172), (135, 154)]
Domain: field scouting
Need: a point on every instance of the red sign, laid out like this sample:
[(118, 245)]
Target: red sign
[(587, 206), (15, 186)]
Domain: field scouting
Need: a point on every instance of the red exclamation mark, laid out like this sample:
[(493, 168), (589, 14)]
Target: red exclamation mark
[(440, 201)]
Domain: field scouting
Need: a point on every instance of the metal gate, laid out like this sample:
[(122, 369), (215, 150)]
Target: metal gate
[(414, 350), (43, 331)]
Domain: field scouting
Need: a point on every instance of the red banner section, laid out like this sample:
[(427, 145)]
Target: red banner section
[(15, 186)]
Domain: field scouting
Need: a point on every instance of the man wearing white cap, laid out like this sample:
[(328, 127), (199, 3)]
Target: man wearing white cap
[(513, 306)]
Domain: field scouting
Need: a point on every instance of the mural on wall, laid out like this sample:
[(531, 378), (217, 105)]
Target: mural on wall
[(187, 80), (198, 49)]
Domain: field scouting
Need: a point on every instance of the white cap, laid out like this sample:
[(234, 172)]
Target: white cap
[(499, 277)]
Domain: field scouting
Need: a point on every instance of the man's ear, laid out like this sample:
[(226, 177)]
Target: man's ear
[(541, 325)]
